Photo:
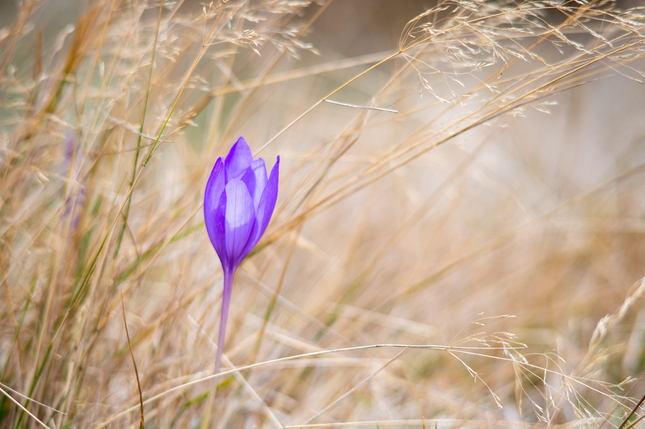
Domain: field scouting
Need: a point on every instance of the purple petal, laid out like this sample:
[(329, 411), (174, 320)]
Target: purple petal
[(240, 218), (268, 199), (265, 208), (238, 160), (214, 190), (255, 179), (218, 234)]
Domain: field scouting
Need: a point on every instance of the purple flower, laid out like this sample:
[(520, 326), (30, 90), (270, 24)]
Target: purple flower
[(238, 205)]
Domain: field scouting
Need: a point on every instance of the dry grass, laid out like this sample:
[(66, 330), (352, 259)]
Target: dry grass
[(434, 202)]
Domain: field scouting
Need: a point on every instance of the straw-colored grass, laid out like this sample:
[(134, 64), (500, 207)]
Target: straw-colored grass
[(458, 239)]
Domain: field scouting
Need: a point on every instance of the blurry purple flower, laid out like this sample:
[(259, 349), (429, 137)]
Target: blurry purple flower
[(238, 205), (75, 202)]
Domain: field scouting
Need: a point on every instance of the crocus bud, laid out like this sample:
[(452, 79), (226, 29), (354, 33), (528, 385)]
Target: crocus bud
[(238, 205)]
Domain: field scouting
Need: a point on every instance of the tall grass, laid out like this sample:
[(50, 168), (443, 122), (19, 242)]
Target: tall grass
[(458, 239)]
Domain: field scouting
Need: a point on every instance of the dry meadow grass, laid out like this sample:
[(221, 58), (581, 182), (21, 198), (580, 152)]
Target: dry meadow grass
[(458, 239)]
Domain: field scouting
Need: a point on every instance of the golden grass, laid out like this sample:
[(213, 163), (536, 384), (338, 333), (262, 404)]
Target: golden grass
[(443, 252)]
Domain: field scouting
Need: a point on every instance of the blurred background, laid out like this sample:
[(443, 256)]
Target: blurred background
[(460, 174)]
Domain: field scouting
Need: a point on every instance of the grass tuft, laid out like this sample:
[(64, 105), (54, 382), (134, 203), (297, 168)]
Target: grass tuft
[(458, 239)]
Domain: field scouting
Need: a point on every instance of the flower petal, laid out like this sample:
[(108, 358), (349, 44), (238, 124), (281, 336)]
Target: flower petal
[(214, 190), (240, 218), (217, 233), (255, 179), (238, 160), (265, 208)]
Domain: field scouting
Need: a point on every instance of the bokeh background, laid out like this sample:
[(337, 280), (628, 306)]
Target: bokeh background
[(479, 190)]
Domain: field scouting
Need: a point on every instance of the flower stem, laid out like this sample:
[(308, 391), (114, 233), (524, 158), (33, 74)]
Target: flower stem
[(226, 301)]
